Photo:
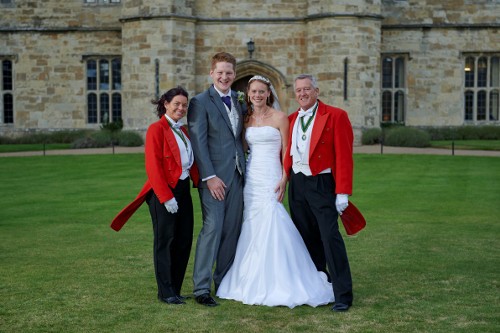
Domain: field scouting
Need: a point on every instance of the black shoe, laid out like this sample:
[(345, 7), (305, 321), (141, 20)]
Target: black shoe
[(206, 300), (171, 300), (340, 307)]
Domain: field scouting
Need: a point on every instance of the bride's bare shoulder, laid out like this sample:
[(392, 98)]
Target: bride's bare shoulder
[(278, 114)]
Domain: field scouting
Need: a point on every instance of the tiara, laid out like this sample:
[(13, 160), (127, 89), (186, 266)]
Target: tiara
[(261, 78)]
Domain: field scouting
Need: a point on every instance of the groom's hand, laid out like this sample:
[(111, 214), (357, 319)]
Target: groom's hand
[(217, 188)]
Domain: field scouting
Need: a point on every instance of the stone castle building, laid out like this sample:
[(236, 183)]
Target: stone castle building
[(76, 64)]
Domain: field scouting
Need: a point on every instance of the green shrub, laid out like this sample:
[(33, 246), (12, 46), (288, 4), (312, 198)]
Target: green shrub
[(479, 132), (407, 137), (488, 132), (107, 136), (371, 136), (441, 133), (129, 139), (32, 138), (5, 140), (97, 139), (85, 142), (115, 126), (65, 136)]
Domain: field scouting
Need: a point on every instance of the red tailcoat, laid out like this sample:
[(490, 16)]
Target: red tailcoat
[(163, 167), (331, 146)]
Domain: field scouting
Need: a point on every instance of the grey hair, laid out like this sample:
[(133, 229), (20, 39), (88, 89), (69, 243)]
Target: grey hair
[(314, 82)]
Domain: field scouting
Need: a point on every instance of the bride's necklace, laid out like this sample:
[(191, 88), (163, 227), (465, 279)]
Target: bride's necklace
[(259, 119)]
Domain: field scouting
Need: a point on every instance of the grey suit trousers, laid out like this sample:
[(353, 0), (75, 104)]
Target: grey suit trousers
[(218, 236)]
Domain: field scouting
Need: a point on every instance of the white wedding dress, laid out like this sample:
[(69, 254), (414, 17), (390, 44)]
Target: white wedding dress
[(272, 265)]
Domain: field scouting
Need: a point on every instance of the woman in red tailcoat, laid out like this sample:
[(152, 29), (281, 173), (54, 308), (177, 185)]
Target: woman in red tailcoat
[(169, 167)]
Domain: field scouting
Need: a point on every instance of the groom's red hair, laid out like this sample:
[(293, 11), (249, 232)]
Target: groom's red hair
[(223, 57)]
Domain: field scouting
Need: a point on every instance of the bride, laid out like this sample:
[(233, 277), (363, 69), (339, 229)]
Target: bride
[(272, 265)]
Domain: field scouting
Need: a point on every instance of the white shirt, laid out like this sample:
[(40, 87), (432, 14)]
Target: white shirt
[(187, 157), (300, 146)]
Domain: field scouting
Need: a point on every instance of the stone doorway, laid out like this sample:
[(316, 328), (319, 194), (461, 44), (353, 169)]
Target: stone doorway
[(246, 69)]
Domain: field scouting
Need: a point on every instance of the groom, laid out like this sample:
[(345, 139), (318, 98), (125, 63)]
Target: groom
[(319, 166), (215, 122)]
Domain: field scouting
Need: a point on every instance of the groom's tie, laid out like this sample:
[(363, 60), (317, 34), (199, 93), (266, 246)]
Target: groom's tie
[(227, 101)]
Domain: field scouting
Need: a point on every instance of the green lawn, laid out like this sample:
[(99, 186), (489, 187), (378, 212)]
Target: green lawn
[(468, 144), (428, 260), (459, 144), (9, 148)]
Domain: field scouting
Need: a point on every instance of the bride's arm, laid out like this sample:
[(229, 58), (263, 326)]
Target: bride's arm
[(283, 127)]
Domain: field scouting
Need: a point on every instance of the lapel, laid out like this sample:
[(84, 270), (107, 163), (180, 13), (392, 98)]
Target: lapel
[(319, 125), (171, 141), (293, 118), (239, 109), (215, 98)]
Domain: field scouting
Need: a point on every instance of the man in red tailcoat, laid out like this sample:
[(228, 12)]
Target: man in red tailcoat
[(319, 166)]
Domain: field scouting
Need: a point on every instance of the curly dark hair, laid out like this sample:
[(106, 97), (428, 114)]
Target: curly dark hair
[(168, 97)]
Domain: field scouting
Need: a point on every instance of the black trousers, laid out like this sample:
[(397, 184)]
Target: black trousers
[(313, 211), (173, 236)]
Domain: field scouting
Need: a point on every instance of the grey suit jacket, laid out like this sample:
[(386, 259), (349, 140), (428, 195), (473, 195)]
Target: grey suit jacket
[(212, 138)]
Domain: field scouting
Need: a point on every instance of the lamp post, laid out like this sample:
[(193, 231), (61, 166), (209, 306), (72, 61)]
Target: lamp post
[(250, 47)]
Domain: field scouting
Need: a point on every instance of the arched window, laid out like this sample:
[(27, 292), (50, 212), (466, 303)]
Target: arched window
[(104, 102), (386, 106), (469, 105), (393, 88), (482, 83), (494, 107), (92, 108), (6, 94), (116, 107)]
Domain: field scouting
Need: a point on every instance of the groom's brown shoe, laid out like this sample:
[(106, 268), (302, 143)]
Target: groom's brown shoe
[(206, 300)]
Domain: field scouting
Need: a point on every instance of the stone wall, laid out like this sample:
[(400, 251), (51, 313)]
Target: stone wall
[(435, 70), (49, 76), (435, 35), (446, 12), (48, 41), (50, 14), (171, 43)]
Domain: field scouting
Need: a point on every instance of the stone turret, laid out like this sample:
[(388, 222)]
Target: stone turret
[(158, 53), (343, 51)]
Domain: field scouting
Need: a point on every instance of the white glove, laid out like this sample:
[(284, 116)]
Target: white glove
[(171, 206), (341, 202)]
